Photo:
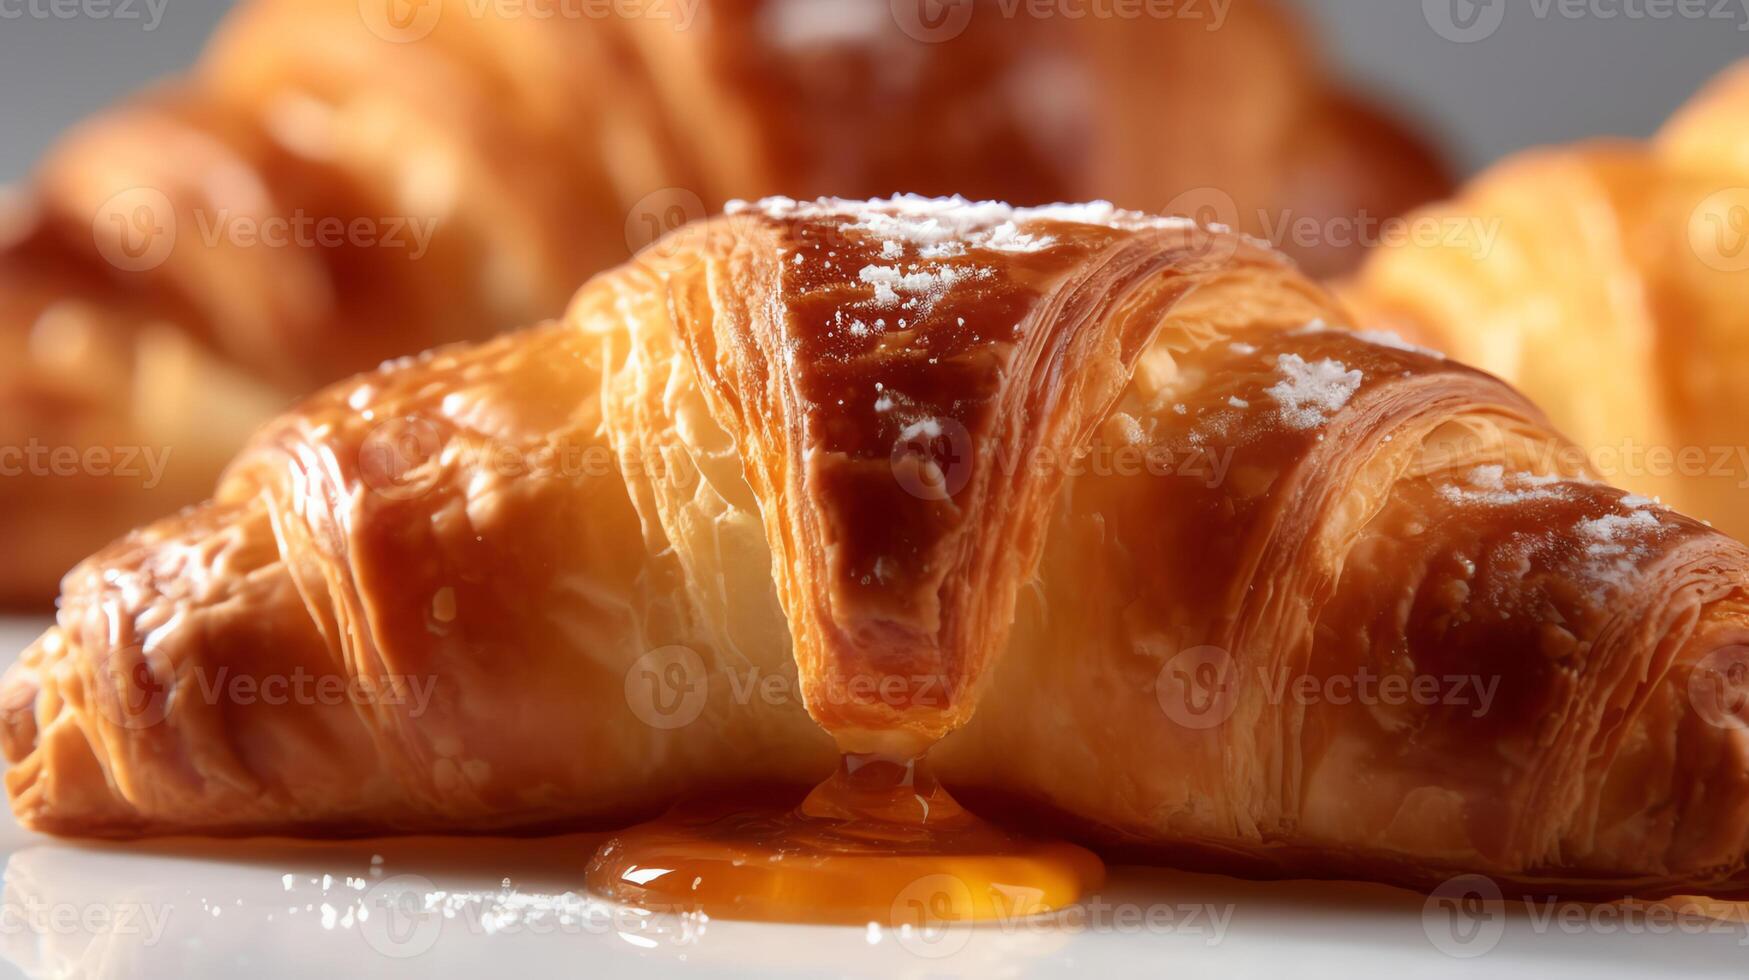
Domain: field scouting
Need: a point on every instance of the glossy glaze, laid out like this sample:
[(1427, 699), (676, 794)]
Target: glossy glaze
[(877, 842)]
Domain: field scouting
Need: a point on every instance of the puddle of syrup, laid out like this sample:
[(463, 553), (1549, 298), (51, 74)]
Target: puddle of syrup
[(877, 842)]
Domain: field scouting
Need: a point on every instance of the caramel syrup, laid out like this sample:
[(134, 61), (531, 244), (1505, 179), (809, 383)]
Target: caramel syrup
[(878, 841)]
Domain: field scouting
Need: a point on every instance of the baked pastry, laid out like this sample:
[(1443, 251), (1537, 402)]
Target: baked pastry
[(337, 183), (1607, 281), (1104, 502)]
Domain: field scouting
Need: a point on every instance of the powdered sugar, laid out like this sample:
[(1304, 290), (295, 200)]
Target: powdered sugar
[(1615, 544), (1611, 546), (942, 227), (1007, 237), (947, 232), (1310, 392), (1610, 534), (1488, 477), (856, 326), (929, 284), (1491, 485), (927, 428)]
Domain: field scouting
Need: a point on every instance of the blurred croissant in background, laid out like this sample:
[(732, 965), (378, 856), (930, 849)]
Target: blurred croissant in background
[(337, 183), (1610, 282)]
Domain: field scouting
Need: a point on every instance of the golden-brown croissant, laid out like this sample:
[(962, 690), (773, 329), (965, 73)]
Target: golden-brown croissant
[(1609, 281), (1098, 499), (341, 182)]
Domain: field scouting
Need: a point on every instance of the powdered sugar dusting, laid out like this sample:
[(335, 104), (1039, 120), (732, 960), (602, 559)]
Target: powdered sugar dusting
[(1601, 554), (929, 428), (1491, 485), (928, 284), (1310, 392), (1007, 237), (1615, 544), (1611, 533), (941, 227)]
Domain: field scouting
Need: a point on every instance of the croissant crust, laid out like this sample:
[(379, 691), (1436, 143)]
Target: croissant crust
[(1111, 506)]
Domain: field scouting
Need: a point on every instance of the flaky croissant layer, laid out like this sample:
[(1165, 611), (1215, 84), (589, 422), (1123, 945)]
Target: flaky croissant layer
[(1105, 503)]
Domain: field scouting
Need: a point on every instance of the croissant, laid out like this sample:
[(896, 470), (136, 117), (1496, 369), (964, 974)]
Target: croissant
[(1606, 280), (1102, 502), (341, 182)]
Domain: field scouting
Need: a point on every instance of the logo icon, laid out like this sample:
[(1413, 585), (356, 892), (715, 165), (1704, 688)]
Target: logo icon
[(1464, 21), (934, 914), (667, 687), (932, 21), (932, 458), (1198, 688), (658, 213), (128, 690), (393, 459), (395, 918), (135, 230), (1215, 211), (400, 21), (1718, 687), (1718, 230), (1465, 916)]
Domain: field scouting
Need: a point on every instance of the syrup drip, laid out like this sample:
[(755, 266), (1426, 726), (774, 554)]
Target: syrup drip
[(878, 841)]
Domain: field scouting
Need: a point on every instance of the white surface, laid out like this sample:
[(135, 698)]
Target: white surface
[(265, 909)]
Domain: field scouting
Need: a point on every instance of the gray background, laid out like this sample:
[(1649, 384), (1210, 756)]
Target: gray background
[(1551, 70)]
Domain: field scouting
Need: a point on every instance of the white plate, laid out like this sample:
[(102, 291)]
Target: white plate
[(418, 907)]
